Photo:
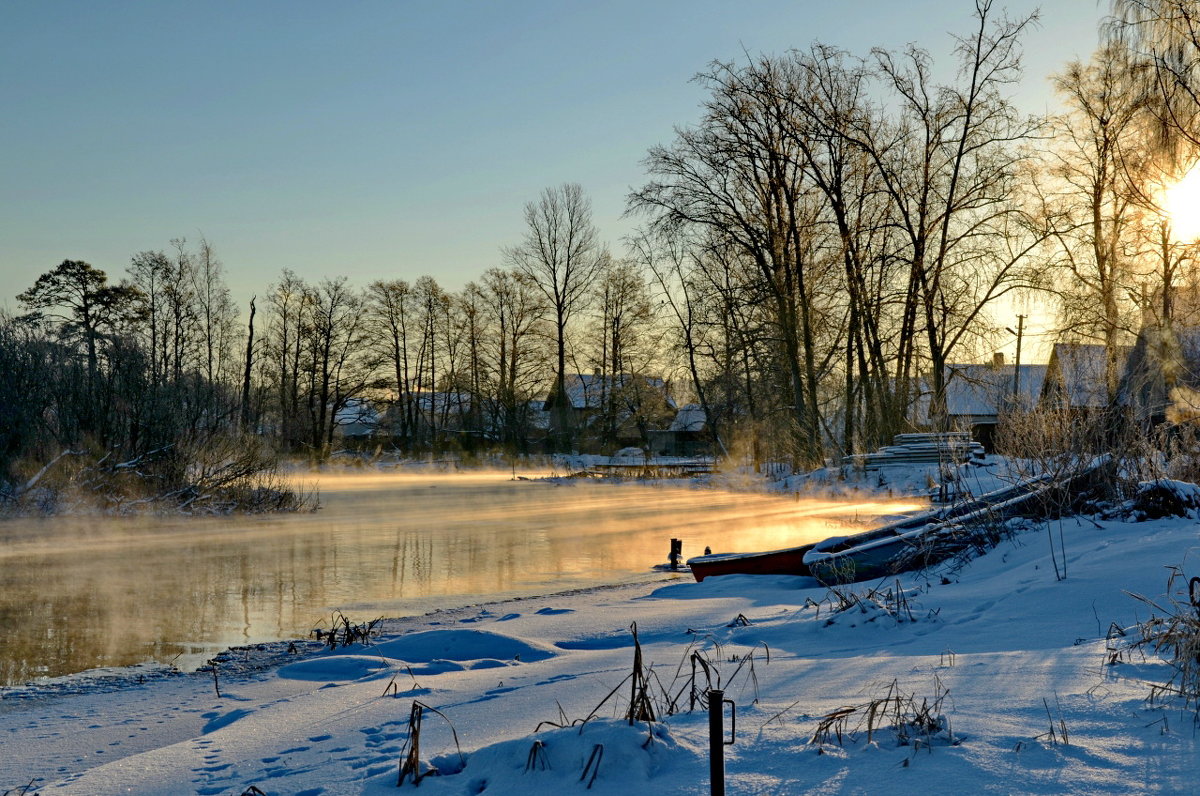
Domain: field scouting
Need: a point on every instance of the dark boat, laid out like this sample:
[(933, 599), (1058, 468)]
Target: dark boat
[(891, 549), (882, 551), (790, 560), (875, 554)]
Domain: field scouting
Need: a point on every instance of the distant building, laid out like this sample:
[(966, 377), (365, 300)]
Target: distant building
[(688, 434), (625, 407), (1078, 377), (358, 419), (978, 394), (1161, 380)]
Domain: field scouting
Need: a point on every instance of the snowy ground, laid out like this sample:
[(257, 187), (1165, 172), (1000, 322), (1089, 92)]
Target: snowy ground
[(1018, 654)]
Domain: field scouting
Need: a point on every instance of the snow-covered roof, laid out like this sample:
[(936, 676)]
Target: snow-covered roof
[(1078, 371), (690, 417), (982, 390), (589, 390), (1162, 374), (357, 418), (452, 402)]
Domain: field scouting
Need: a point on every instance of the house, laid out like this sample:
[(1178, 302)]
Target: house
[(1078, 376), (977, 395), (419, 414), (592, 391), (688, 434), (358, 419), (623, 407), (1161, 380)]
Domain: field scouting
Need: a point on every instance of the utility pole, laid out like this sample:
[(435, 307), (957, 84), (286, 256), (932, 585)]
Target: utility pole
[(1017, 366)]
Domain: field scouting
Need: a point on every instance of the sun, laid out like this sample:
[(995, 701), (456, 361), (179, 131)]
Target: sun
[(1182, 203)]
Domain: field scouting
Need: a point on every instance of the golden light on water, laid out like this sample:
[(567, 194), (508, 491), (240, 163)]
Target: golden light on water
[(80, 592), (1182, 203)]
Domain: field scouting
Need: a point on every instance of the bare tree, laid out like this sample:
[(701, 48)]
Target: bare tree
[(623, 338), (739, 177), (336, 373), (1165, 36), (513, 350), (829, 95), (290, 300), (390, 318), (1091, 206), (150, 273), (561, 256), (950, 166)]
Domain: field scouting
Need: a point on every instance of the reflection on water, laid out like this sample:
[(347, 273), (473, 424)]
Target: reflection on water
[(79, 593)]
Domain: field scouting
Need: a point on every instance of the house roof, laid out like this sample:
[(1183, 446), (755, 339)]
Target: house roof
[(690, 417), (982, 390), (589, 390), (1078, 371), (1162, 375), (356, 418), (451, 402)]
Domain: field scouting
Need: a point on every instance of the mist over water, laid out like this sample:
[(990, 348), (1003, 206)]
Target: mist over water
[(79, 593)]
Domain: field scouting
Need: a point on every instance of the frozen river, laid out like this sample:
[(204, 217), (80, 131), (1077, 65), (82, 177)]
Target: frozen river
[(79, 593)]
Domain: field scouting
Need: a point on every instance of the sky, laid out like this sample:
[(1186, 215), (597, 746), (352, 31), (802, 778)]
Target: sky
[(382, 139)]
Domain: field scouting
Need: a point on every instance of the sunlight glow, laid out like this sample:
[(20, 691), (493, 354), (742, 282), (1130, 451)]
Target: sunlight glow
[(1182, 203)]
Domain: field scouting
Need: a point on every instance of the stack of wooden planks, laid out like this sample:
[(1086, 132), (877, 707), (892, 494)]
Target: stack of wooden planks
[(953, 447)]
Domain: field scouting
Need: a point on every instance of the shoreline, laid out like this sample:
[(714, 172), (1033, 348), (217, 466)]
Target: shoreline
[(188, 661), (249, 660)]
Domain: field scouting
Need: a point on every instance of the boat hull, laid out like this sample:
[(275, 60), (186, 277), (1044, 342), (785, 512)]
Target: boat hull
[(789, 561)]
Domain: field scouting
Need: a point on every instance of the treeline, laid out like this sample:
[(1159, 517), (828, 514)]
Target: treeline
[(159, 373), (837, 228), (831, 233), (124, 394)]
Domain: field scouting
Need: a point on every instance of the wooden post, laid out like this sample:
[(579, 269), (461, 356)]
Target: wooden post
[(716, 742)]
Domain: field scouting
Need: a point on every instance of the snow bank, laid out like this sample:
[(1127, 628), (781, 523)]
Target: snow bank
[(1027, 704)]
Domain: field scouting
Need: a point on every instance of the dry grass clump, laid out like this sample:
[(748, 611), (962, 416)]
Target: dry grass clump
[(1173, 633), (643, 696), (893, 601), (412, 768), (893, 718), (344, 633)]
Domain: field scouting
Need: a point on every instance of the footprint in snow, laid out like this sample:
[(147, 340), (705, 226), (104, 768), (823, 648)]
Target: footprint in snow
[(217, 721)]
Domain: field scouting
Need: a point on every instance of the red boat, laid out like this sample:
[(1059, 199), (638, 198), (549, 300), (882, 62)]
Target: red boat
[(789, 561)]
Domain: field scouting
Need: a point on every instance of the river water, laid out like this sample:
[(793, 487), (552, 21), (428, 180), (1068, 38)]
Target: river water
[(84, 592)]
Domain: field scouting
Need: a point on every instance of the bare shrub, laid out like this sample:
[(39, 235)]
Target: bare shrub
[(708, 670), (343, 633), (1056, 444), (1058, 727), (1173, 633), (892, 601), (410, 752), (218, 474), (893, 718), (1171, 451), (650, 699)]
